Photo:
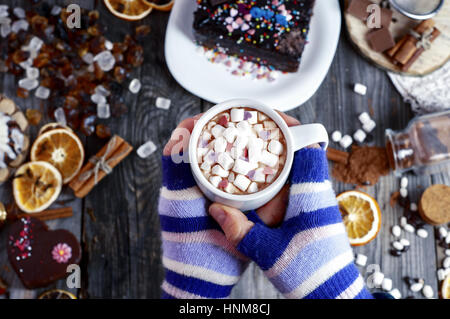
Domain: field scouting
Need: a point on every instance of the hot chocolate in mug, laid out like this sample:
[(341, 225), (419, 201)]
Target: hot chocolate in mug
[(294, 139)]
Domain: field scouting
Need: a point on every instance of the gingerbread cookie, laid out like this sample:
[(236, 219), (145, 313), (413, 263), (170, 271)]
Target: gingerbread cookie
[(434, 206), (38, 255)]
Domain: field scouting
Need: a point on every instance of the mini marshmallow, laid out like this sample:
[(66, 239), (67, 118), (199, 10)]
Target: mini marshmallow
[(252, 117), (369, 126), (275, 147), (396, 293), (359, 136), (231, 124), (255, 146), (230, 134), (241, 142), (231, 177), (259, 176), (219, 171), (237, 115), (262, 117), (269, 124), (217, 131), (236, 152), (336, 136), (361, 260), (206, 167), (242, 182), (220, 145), (378, 278), (211, 125), (231, 189), (253, 188), (346, 141), (270, 178), (258, 128), (269, 159), (242, 167), (243, 126), (215, 180), (274, 134), (206, 136), (360, 89), (404, 182), (210, 157), (225, 160), (202, 151), (364, 118), (386, 284)]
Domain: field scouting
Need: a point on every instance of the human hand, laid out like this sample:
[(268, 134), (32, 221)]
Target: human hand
[(308, 256), (198, 259)]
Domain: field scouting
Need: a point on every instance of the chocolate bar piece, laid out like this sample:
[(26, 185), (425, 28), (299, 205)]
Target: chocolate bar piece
[(358, 9), (380, 40), (269, 32)]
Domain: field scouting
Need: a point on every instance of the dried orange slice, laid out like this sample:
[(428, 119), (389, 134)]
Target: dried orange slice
[(361, 215), (161, 7), (52, 126), (36, 186), (61, 148), (57, 294), (131, 10), (445, 291)]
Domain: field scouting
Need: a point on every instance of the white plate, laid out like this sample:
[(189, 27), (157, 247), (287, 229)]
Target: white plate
[(214, 83)]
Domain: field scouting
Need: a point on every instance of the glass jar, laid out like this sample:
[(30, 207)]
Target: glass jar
[(424, 146)]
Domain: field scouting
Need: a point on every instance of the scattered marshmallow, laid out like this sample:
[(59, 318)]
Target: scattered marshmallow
[(346, 141), (225, 160), (446, 262), (413, 207), (364, 118), (242, 182), (378, 277), (369, 126), (403, 192), (205, 167), (230, 134), (396, 231), (428, 292), (242, 167), (359, 136), (404, 182), (397, 245), (220, 144), (396, 293), (360, 89), (409, 228), (361, 260), (386, 285), (336, 136), (403, 221)]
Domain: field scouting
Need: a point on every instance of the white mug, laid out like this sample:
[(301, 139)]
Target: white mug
[(297, 137)]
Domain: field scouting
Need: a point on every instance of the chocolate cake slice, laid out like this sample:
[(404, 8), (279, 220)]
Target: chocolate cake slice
[(269, 32)]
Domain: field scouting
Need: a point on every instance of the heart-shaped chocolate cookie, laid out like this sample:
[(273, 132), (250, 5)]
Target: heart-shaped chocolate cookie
[(40, 256)]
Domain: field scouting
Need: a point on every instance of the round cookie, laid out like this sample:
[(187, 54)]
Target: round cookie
[(434, 206)]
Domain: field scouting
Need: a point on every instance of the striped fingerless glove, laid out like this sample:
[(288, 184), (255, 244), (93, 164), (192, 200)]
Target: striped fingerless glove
[(309, 256), (198, 260)]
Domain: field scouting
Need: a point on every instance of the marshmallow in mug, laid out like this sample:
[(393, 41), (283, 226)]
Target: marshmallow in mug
[(241, 151)]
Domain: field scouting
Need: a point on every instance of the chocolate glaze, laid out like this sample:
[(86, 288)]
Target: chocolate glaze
[(272, 44), (33, 260)]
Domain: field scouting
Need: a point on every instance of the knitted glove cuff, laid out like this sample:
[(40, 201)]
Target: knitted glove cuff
[(176, 176), (310, 165)]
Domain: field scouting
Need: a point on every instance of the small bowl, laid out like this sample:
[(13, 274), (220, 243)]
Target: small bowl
[(406, 7)]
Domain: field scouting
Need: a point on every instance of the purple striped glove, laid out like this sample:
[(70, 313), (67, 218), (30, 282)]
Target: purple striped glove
[(198, 260), (309, 255)]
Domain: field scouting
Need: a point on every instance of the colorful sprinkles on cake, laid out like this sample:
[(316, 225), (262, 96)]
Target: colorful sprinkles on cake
[(260, 21)]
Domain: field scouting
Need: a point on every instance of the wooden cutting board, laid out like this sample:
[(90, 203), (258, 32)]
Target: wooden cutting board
[(428, 62)]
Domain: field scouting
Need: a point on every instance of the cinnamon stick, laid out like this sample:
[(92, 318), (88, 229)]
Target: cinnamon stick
[(50, 214), (337, 156), (419, 51), (116, 154)]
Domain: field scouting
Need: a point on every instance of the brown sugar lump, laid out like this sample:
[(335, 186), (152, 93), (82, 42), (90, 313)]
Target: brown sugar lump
[(434, 206)]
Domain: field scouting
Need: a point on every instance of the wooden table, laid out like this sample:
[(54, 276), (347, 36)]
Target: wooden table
[(118, 224)]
